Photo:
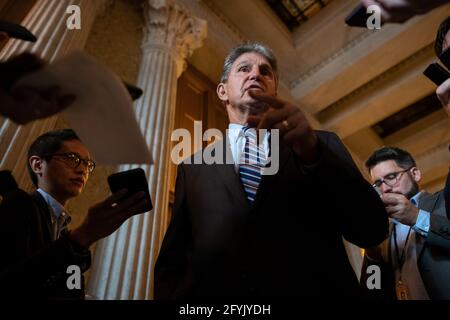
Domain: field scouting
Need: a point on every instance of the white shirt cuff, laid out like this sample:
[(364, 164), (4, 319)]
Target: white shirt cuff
[(422, 225)]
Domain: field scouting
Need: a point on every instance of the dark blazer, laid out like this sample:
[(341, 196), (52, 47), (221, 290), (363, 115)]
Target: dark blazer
[(433, 252), (447, 195), (33, 265), (287, 245)]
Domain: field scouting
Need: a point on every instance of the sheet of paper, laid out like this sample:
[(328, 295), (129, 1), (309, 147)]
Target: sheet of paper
[(102, 114)]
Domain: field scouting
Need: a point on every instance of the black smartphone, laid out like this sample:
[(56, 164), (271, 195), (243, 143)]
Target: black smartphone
[(14, 30), (133, 180), (445, 58), (436, 73), (134, 91), (358, 17)]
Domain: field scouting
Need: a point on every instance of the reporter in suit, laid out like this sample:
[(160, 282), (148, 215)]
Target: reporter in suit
[(35, 243), (234, 234), (417, 251)]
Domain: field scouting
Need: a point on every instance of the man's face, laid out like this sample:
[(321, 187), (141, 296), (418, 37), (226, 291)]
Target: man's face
[(249, 71), (60, 179), (398, 179)]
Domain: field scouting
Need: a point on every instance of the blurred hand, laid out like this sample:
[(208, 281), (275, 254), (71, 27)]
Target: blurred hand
[(295, 129), (400, 208), (24, 104), (107, 216), (443, 93), (3, 36), (402, 10)]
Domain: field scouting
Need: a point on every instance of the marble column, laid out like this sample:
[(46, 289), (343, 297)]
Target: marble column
[(123, 262), (47, 20)]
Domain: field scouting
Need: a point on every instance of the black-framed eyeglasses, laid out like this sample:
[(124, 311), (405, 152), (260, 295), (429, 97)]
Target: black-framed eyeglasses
[(390, 179), (73, 160)]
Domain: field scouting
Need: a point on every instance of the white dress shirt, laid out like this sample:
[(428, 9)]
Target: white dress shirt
[(60, 218), (236, 139)]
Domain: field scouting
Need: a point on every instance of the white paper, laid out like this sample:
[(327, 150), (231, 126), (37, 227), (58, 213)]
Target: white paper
[(102, 115)]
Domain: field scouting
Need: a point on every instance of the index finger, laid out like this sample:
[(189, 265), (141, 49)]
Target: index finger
[(391, 198), (3, 36), (443, 92), (264, 97)]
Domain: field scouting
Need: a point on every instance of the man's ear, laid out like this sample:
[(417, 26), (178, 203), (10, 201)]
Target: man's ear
[(416, 174), (36, 164), (222, 92)]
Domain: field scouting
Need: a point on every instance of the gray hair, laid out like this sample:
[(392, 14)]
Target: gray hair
[(245, 48)]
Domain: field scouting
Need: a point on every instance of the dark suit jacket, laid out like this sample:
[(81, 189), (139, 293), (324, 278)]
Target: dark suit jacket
[(287, 245), (33, 265), (433, 252), (447, 195)]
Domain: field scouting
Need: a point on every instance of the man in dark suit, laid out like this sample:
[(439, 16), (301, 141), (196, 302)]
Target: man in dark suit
[(237, 233), (417, 251), (443, 91), (40, 257), (443, 42)]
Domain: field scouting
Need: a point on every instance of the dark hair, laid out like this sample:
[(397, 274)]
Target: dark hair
[(444, 28), (48, 143), (401, 157), (244, 48)]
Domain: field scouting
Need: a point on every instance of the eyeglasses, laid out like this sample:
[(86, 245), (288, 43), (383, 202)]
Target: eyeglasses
[(390, 179), (73, 160)]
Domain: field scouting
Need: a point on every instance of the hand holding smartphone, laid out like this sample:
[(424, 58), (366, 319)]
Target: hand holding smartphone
[(437, 73), (133, 180)]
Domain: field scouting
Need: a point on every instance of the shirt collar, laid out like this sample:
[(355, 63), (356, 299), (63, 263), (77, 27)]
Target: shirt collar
[(57, 208), (416, 198), (234, 131)]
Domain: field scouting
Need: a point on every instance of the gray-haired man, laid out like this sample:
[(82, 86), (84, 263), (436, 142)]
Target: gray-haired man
[(238, 233)]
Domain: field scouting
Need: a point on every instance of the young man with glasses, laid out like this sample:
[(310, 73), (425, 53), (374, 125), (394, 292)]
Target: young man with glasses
[(37, 248), (417, 251)]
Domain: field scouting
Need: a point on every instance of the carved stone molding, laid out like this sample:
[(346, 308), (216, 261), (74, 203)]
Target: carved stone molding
[(169, 27), (349, 46), (385, 76), (212, 8)]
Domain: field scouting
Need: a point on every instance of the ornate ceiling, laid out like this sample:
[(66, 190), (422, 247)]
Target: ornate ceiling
[(367, 86)]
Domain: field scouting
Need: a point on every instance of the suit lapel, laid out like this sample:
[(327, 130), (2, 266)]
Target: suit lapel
[(233, 182), (268, 182), (228, 175), (44, 214), (426, 202)]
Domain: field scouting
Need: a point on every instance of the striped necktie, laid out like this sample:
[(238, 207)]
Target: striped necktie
[(251, 163)]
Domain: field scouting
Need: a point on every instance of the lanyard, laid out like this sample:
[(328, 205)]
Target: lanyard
[(401, 258)]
